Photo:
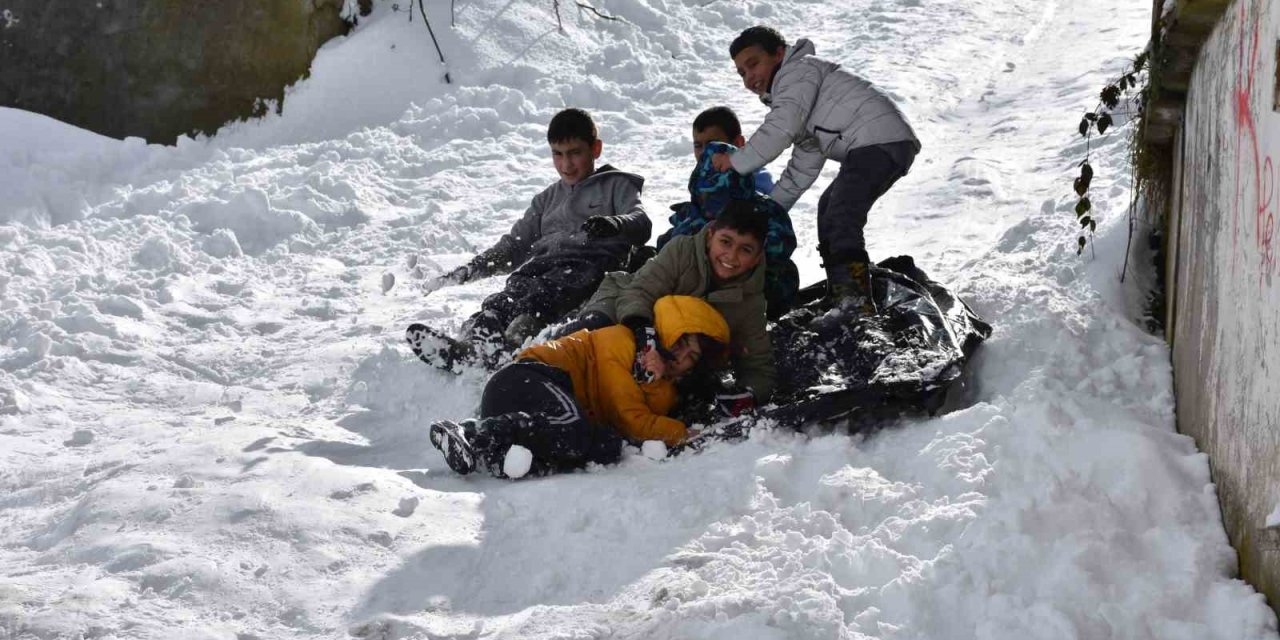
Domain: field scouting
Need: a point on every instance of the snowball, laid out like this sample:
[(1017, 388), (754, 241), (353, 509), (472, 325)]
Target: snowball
[(222, 243), (517, 462), (408, 505), (13, 400), (653, 449), (156, 253), (80, 438)]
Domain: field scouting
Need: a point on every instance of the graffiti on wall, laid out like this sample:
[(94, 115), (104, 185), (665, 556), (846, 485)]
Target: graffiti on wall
[(1255, 201)]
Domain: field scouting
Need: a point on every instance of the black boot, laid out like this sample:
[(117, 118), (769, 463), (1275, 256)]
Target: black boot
[(849, 287), (485, 339), (496, 434), (437, 349), (454, 441)]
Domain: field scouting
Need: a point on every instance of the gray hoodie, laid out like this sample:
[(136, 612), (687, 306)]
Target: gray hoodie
[(825, 111), (553, 222)]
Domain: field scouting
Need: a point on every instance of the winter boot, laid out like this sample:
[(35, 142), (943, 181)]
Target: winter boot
[(496, 435), (454, 441), (526, 325), (437, 349), (486, 340), (849, 287)]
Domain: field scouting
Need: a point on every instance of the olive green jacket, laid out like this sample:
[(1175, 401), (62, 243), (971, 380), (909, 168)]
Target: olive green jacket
[(683, 268)]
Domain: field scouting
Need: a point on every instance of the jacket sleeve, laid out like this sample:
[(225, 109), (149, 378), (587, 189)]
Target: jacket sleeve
[(803, 168), (754, 366), (513, 248), (629, 212), (789, 108), (658, 277), (625, 400)]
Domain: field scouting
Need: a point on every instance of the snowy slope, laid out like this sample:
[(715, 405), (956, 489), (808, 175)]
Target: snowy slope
[(209, 426)]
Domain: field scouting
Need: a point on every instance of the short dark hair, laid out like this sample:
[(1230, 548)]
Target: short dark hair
[(572, 124), (722, 117), (766, 38), (743, 217)]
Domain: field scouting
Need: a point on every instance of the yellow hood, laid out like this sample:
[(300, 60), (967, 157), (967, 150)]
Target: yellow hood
[(674, 316)]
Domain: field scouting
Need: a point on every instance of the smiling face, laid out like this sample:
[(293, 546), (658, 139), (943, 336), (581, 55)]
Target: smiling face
[(732, 253), (575, 159), (756, 66), (685, 354)]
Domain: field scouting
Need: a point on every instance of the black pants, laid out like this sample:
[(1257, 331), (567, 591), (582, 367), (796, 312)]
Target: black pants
[(545, 288), (865, 175), (555, 427)]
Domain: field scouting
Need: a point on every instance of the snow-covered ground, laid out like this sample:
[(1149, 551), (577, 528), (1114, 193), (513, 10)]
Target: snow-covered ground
[(210, 427)]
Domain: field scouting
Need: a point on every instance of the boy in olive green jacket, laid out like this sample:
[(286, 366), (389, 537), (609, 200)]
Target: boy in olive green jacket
[(722, 263)]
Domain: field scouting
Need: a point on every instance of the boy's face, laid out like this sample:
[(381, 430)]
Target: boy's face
[(575, 159), (756, 66), (732, 253), (712, 133), (685, 355)]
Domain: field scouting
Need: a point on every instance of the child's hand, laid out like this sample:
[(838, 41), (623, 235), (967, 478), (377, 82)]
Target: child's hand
[(646, 350), (601, 227), (457, 276), (735, 402), (653, 364), (721, 162)]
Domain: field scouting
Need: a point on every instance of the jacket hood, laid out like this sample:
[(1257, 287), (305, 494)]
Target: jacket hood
[(674, 316), (803, 47), (606, 170)]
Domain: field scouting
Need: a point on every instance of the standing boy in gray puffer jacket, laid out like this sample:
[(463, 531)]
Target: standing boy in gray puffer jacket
[(588, 222), (823, 111)]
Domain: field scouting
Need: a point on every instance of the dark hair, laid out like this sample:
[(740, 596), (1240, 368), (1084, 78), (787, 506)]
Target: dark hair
[(715, 354), (722, 117), (741, 216), (766, 38), (572, 124)]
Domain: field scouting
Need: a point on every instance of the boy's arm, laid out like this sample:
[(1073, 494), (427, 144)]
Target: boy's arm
[(633, 223), (512, 249), (803, 168), (657, 278), (788, 111), (626, 401), (753, 366)]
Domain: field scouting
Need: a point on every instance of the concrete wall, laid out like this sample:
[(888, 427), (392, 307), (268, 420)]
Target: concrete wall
[(157, 68), (1224, 280)]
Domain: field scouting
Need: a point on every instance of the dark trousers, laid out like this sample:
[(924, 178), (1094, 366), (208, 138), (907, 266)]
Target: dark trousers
[(553, 425), (545, 288), (865, 175)]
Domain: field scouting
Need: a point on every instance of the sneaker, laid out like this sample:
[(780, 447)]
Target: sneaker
[(437, 349), (450, 438)]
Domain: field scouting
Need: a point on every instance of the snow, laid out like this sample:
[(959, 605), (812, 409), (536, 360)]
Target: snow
[(211, 428)]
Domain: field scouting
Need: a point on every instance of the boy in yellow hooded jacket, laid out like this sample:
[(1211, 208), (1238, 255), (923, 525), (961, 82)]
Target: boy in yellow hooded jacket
[(572, 401)]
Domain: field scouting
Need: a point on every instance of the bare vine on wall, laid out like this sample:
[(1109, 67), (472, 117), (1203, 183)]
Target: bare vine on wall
[(1130, 85)]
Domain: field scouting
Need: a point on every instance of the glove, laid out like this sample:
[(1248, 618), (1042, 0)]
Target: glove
[(602, 227), (734, 402), (646, 341), (457, 276)]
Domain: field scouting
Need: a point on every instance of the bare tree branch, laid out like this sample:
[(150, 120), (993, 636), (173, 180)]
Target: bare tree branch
[(604, 16)]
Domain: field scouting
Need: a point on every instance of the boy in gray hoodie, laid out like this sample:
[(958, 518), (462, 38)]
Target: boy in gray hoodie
[(587, 223), (823, 111)]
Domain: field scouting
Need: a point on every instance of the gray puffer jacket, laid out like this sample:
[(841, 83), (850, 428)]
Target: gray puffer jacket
[(825, 111), (553, 222)]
